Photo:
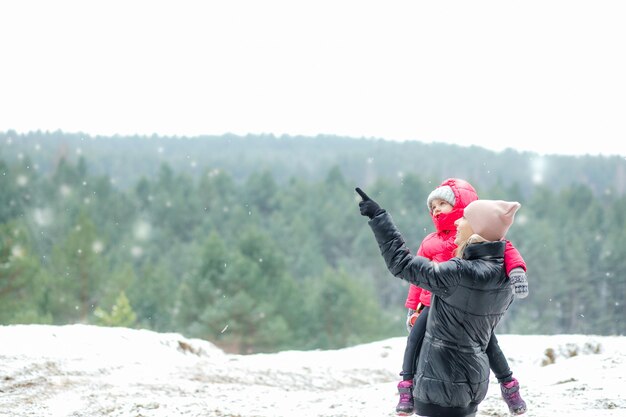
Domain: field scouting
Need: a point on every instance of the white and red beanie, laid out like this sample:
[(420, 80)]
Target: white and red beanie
[(443, 192), (491, 219)]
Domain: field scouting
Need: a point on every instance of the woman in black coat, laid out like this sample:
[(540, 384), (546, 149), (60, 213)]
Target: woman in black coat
[(472, 294)]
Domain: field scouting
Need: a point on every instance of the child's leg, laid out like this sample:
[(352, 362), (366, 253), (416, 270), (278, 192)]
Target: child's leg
[(413, 345), (508, 385), (411, 352), (498, 363)]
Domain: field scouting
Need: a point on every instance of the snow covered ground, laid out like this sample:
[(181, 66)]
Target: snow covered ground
[(89, 371)]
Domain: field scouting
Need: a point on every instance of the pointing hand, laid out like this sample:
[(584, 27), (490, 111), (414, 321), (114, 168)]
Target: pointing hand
[(368, 207)]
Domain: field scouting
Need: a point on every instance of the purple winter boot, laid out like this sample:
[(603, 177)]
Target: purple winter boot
[(510, 393), (405, 405)]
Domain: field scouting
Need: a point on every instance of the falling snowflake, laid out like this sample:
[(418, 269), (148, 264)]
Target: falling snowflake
[(65, 190), (97, 246), (17, 251), (136, 251), (142, 230), (43, 216), (22, 180)]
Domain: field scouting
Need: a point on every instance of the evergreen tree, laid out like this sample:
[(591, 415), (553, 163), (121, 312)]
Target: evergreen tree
[(153, 294), (342, 312), (121, 314), (10, 206), (77, 273), (19, 270)]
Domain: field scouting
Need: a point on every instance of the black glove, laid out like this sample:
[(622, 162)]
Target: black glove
[(368, 207)]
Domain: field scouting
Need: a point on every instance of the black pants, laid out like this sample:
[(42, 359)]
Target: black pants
[(497, 361), (414, 345)]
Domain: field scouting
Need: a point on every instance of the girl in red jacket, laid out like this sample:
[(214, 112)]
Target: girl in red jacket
[(446, 204)]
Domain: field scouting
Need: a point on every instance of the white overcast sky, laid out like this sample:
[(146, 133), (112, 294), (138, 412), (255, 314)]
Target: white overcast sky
[(540, 75)]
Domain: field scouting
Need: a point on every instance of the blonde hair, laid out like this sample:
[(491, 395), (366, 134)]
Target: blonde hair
[(475, 238)]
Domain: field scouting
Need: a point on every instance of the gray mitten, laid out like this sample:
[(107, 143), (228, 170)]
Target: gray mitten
[(519, 283), (409, 326)]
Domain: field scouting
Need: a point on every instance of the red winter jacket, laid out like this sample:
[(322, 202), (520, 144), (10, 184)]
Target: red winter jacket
[(439, 246)]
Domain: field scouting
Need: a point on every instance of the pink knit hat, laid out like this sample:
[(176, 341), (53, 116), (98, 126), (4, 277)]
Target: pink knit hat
[(491, 219)]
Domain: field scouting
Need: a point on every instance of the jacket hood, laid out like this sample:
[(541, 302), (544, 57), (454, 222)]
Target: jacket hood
[(464, 194)]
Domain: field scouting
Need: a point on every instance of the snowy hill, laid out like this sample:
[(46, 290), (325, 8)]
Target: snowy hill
[(89, 371)]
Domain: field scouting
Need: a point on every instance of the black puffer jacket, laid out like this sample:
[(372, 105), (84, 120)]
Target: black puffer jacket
[(471, 296)]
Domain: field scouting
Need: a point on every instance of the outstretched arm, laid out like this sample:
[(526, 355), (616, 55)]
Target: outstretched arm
[(438, 278)]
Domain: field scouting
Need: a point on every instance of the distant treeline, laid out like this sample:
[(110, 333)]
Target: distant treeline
[(262, 257), (363, 161)]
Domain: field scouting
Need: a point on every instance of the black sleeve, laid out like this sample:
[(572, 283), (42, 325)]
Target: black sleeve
[(439, 278)]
